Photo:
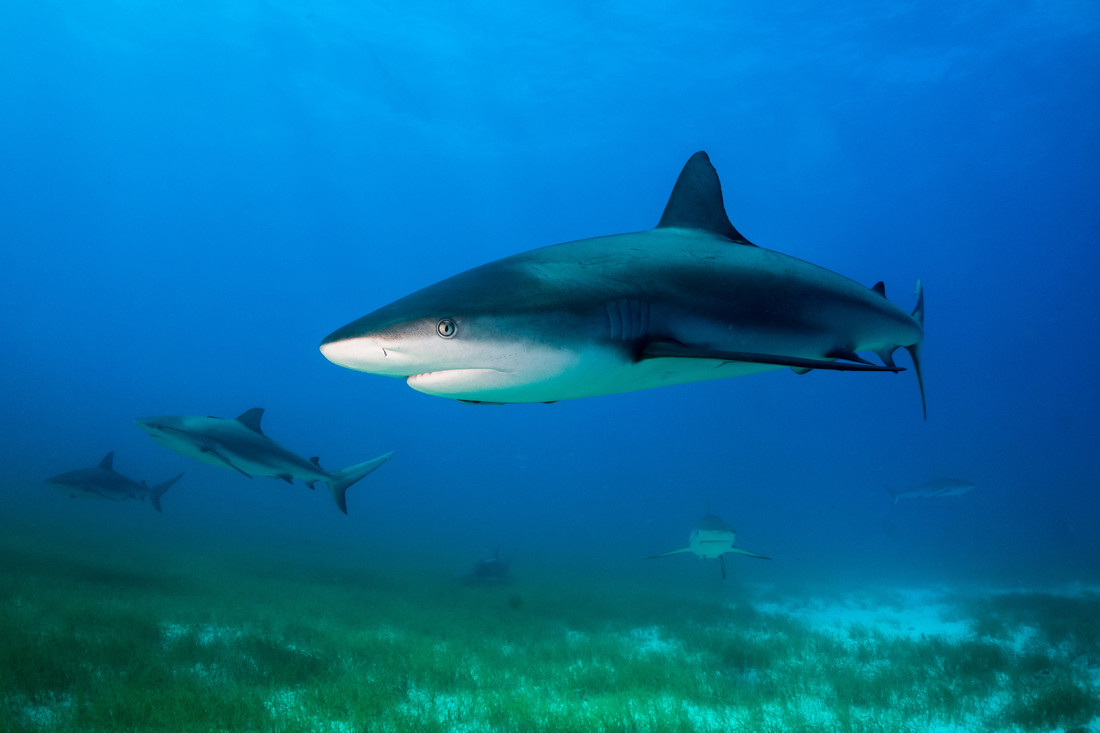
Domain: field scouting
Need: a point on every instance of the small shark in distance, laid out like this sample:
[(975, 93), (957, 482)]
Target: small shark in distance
[(104, 482), (687, 301), (711, 538), (935, 487), (489, 570), (240, 445)]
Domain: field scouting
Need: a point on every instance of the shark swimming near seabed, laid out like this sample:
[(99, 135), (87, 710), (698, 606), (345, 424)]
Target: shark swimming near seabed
[(104, 482), (690, 300), (489, 570), (712, 538), (240, 445), (935, 487)]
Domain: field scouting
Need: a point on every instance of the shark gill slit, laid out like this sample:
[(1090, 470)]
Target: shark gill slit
[(627, 319)]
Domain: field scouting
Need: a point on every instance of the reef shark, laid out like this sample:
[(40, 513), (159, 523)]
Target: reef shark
[(240, 445), (689, 300), (711, 538), (104, 482), (935, 487), (489, 570)]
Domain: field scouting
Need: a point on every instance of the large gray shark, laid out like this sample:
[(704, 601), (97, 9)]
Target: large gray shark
[(104, 482), (711, 538), (240, 445), (935, 487), (689, 300)]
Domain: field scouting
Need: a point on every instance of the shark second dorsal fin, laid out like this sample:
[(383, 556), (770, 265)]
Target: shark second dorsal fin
[(696, 201), (251, 419), (108, 461)]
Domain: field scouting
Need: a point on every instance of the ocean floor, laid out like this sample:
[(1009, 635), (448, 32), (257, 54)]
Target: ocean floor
[(226, 641)]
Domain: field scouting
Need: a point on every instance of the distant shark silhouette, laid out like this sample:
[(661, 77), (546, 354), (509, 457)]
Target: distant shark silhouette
[(489, 570), (689, 300), (240, 445), (105, 482), (935, 487), (711, 538)]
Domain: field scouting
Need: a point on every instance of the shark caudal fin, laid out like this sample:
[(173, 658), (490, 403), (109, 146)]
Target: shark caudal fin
[(345, 477), (158, 491), (914, 350)]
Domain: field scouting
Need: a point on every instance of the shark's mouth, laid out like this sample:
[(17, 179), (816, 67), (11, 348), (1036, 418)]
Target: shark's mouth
[(459, 381)]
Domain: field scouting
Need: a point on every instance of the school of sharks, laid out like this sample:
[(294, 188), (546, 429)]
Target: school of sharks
[(690, 300)]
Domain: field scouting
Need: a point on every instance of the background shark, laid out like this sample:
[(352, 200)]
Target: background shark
[(690, 300), (489, 570), (711, 538), (105, 482), (240, 445), (935, 487)]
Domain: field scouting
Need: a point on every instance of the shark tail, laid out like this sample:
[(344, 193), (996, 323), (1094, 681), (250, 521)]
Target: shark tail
[(914, 349), (158, 491), (344, 478)]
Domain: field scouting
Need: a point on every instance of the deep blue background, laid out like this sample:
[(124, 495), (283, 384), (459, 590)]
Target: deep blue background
[(193, 196)]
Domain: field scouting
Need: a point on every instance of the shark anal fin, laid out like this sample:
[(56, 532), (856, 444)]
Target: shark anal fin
[(671, 350)]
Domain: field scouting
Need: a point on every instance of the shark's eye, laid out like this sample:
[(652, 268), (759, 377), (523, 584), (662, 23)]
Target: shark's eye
[(446, 328)]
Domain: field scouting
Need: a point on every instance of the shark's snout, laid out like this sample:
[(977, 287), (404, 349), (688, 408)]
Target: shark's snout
[(366, 354)]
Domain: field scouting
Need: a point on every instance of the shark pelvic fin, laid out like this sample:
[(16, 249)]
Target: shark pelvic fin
[(696, 201), (251, 419), (672, 350)]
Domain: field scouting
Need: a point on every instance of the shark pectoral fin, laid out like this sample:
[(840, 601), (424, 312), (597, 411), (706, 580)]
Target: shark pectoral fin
[(225, 461), (673, 350), (670, 552), (747, 553)]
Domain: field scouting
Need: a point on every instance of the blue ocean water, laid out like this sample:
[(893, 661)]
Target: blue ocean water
[(195, 195)]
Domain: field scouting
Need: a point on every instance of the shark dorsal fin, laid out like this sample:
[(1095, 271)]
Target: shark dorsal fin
[(108, 461), (696, 201), (251, 419), (880, 288)]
